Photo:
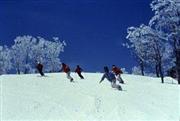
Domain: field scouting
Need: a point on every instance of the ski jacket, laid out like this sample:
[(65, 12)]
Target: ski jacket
[(109, 76), (117, 70), (66, 68), (78, 70)]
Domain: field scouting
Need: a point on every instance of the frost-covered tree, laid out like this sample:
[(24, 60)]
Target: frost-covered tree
[(48, 52), (155, 48), (167, 20), (136, 45), (21, 53), (149, 46), (124, 71), (161, 38), (5, 60), (38, 51), (28, 50), (136, 70)]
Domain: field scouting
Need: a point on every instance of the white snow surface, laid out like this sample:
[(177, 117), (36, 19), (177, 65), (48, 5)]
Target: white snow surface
[(32, 97)]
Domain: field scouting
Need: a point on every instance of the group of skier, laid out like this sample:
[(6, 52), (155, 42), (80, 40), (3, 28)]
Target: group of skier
[(64, 68), (111, 76)]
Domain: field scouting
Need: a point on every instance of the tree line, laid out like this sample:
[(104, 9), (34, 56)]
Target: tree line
[(27, 51), (156, 46)]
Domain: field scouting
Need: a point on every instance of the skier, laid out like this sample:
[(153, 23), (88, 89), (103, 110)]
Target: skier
[(117, 71), (78, 71), (67, 70), (111, 78), (39, 67)]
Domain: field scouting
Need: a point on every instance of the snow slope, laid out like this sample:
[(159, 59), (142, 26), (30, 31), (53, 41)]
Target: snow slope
[(31, 97)]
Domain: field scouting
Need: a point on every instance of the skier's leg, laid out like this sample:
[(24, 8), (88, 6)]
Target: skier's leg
[(120, 79), (42, 74), (119, 87), (40, 71), (80, 75), (69, 76), (114, 85)]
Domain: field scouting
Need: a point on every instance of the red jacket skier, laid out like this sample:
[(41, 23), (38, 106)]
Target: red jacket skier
[(67, 70), (78, 71), (117, 71)]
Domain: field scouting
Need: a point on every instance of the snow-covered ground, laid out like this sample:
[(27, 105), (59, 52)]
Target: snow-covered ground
[(31, 97)]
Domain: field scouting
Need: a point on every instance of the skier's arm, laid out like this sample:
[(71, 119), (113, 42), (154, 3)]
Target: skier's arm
[(102, 78)]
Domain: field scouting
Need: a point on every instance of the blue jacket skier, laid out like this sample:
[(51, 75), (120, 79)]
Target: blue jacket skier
[(111, 78)]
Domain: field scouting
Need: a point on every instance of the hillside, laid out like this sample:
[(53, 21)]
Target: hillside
[(31, 97)]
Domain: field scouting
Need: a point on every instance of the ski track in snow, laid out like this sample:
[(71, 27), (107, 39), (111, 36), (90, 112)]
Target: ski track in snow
[(31, 97)]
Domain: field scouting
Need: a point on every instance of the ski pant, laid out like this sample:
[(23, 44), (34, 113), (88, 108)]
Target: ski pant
[(40, 71), (118, 77), (80, 75), (69, 76), (114, 85)]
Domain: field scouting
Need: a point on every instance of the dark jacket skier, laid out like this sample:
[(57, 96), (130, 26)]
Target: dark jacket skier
[(39, 67), (117, 71), (111, 78), (79, 71), (65, 68)]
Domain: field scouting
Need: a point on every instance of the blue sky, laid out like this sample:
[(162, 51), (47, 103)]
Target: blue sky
[(94, 30)]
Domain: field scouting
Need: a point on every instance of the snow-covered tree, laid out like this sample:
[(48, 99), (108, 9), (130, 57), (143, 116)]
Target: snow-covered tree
[(155, 48), (149, 46), (136, 70), (124, 71), (5, 60), (167, 20), (48, 52), (29, 50), (160, 40), (135, 44), (21, 52)]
